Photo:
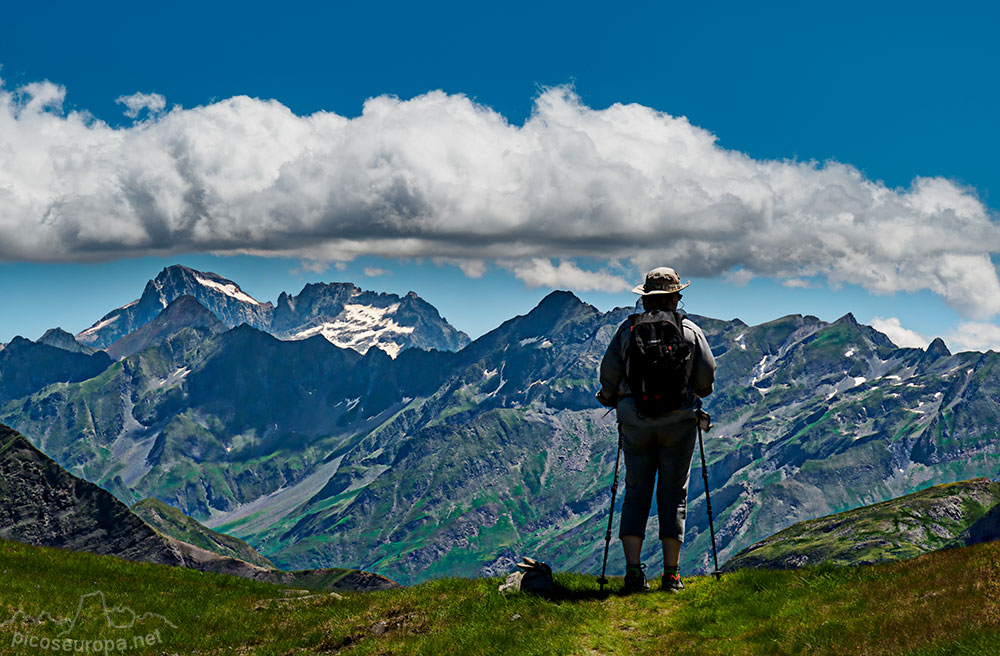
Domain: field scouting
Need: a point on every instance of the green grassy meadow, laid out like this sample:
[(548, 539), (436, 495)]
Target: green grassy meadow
[(943, 603)]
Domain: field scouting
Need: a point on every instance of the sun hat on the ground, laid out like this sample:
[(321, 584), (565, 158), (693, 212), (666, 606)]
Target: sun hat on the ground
[(661, 280)]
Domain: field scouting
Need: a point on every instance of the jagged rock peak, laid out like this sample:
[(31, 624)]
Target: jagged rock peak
[(59, 338), (54, 334), (937, 349), (559, 299), (848, 319), (223, 297), (350, 317), (554, 310), (181, 277)]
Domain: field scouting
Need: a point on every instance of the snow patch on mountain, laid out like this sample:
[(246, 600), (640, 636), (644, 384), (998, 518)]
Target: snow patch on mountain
[(100, 324), (229, 290), (760, 372), (361, 327)]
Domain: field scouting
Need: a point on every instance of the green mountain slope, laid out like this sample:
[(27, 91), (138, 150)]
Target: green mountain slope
[(938, 517), (170, 521), (940, 604)]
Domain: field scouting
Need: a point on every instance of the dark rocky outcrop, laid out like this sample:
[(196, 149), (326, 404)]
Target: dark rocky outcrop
[(42, 504)]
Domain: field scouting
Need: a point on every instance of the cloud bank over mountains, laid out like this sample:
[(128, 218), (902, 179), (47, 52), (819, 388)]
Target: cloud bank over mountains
[(442, 177)]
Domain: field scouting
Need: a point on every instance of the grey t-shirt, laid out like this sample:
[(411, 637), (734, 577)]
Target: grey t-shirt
[(615, 391)]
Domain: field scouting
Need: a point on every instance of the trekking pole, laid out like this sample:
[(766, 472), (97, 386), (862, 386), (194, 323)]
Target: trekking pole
[(703, 418), (603, 581)]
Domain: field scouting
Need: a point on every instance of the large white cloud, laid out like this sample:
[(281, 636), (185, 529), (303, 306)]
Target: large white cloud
[(439, 176)]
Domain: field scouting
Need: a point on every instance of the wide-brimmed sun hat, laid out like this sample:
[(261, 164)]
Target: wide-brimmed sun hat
[(661, 280)]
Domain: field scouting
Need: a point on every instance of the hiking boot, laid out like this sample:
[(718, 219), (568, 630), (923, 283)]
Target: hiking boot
[(635, 579), (671, 583)]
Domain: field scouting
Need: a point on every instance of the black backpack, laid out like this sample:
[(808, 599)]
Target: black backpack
[(658, 362)]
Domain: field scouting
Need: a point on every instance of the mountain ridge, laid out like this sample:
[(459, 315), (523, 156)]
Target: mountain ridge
[(499, 448), (343, 313)]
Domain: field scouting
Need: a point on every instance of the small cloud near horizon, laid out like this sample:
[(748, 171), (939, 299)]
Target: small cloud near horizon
[(900, 336), (966, 336), (153, 103), (540, 272)]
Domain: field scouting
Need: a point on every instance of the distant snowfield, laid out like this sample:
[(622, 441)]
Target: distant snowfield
[(229, 290), (361, 327), (101, 324)]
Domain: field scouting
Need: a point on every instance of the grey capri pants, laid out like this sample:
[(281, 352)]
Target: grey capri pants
[(660, 456)]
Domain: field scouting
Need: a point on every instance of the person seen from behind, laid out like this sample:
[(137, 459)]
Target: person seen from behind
[(655, 372)]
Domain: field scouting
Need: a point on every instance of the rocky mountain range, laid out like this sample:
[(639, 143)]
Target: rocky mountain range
[(340, 312), (441, 462)]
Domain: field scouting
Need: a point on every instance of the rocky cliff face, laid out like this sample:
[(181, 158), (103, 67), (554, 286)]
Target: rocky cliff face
[(41, 504)]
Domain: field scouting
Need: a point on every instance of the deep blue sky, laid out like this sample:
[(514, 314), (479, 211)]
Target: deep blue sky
[(896, 89)]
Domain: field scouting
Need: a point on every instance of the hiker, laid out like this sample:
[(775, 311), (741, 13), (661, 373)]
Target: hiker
[(656, 369)]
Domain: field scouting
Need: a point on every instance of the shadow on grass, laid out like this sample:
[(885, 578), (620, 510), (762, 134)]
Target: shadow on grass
[(561, 593)]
